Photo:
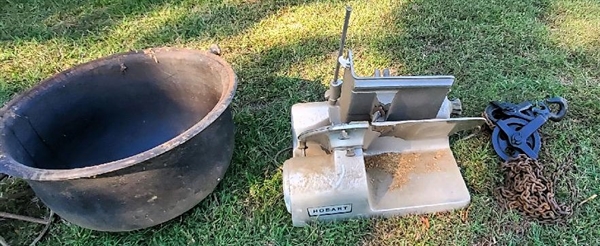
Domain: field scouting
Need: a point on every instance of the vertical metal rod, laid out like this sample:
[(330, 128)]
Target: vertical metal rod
[(335, 87), (342, 42)]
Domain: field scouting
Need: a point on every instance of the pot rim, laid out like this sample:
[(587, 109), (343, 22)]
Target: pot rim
[(10, 166)]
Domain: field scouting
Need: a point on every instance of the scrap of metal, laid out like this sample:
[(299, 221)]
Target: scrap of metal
[(527, 189), (517, 141), (377, 146), (515, 126)]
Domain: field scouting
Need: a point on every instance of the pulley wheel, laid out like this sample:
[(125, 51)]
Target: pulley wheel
[(501, 140)]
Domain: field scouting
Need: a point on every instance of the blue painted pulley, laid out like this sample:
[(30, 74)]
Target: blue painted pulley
[(504, 144), (515, 126)]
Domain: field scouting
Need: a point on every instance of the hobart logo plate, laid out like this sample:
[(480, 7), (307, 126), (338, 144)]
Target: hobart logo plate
[(330, 210)]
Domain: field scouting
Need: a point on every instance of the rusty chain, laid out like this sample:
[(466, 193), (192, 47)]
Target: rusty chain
[(528, 190)]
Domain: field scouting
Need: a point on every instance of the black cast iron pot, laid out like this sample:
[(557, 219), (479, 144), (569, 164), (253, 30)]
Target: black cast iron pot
[(124, 142)]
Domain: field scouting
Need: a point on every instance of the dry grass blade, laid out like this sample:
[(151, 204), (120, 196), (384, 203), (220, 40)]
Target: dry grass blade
[(23, 218), (45, 230)]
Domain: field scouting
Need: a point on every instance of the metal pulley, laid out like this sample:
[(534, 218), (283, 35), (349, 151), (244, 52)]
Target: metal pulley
[(515, 126)]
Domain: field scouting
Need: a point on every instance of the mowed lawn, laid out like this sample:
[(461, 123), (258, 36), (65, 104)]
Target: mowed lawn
[(284, 53)]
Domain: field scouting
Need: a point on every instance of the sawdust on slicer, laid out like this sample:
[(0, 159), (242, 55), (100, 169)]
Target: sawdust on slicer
[(401, 165), (431, 164)]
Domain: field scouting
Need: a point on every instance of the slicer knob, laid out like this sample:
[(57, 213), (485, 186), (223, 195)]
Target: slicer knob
[(327, 94), (215, 49), (456, 107), (386, 72), (378, 73)]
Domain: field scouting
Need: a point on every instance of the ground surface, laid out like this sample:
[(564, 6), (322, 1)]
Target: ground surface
[(284, 52)]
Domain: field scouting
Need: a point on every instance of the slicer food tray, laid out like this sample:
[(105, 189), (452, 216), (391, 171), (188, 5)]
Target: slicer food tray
[(413, 182)]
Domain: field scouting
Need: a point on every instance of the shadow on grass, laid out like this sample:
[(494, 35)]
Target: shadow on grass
[(43, 20)]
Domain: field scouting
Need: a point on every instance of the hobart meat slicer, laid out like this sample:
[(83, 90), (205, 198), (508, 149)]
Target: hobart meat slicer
[(377, 147)]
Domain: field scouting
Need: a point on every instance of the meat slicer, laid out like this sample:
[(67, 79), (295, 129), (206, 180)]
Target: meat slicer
[(376, 147)]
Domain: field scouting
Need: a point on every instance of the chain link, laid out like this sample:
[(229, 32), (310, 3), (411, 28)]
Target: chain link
[(527, 190)]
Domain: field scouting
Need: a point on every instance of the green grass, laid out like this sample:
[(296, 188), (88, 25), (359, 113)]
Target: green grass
[(284, 52)]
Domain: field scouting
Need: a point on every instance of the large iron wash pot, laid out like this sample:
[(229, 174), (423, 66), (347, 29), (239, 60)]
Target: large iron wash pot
[(124, 142)]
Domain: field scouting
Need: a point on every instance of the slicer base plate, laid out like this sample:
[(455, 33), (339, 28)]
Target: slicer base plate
[(423, 176)]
